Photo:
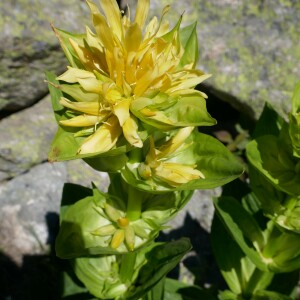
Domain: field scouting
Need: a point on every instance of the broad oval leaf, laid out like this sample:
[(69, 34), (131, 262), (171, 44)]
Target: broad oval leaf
[(273, 159), (169, 112)]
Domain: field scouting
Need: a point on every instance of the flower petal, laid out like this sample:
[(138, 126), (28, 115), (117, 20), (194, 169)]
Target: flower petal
[(121, 110), (130, 131), (103, 139), (83, 120), (142, 10), (91, 108), (72, 75), (176, 142), (113, 16)]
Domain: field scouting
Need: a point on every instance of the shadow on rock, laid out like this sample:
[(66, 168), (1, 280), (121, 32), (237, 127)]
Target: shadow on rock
[(200, 261), (39, 276)]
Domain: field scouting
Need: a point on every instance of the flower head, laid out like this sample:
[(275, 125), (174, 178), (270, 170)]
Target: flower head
[(159, 165), (122, 62)]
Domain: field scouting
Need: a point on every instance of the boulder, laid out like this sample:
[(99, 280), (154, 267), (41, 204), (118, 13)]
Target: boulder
[(26, 137), (30, 205), (28, 46)]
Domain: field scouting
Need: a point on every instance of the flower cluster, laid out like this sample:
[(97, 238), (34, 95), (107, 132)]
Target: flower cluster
[(124, 75)]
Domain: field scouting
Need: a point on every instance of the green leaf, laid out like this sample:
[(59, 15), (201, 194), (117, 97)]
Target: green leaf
[(100, 274), (269, 295), (157, 292), (212, 158), (189, 42), (243, 227), (238, 270), (296, 99), (269, 197), (168, 112), (176, 290), (107, 163), (71, 194), (294, 131), (169, 35), (160, 260), (55, 94), (73, 291), (282, 250), (273, 159), (228, 295), (64, 38), (269, 123)]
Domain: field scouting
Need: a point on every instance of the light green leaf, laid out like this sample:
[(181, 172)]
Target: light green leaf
[(269, 295), (294, 131), (272, 158), (269, 196), (228, 295), (166, 113), (244, 229), (176, 290), (101, 274), (64, 38), (55, 94), (65, 146), (161, 259), (282, 250), (189, 41), (238, 270), (296, 99), (269, 123)]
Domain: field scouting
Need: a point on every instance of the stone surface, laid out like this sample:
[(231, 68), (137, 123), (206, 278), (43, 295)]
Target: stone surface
[(25, 138), (250, 47), (28, 46), (30, 205)]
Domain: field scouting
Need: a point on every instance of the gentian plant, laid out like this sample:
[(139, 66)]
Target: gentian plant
[(257, 222), (127, 105)]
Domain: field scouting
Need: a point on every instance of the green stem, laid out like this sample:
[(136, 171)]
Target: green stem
[(134, 204), (259, 280), (127, 266)]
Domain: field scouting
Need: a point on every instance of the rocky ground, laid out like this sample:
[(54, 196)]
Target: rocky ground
[(250, 47)]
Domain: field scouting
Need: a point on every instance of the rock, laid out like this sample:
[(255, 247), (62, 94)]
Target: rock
[(28, 46), (250, 47), (26, 137), (30, 205), (200, 210)]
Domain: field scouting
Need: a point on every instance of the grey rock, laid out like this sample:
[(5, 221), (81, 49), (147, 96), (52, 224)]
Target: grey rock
[(28, 46), (25, 138), (30, 205), (200, 209)]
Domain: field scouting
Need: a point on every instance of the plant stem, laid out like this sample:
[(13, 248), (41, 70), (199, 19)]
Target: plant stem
[(259, 280), (134, 204), (127, 266)]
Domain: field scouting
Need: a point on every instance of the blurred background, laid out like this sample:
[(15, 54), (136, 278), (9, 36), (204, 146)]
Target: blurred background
[(252, 50)]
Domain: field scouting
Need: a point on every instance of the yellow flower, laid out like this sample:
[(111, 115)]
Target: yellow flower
[(121, 230), (159, 165), (121, 61)]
